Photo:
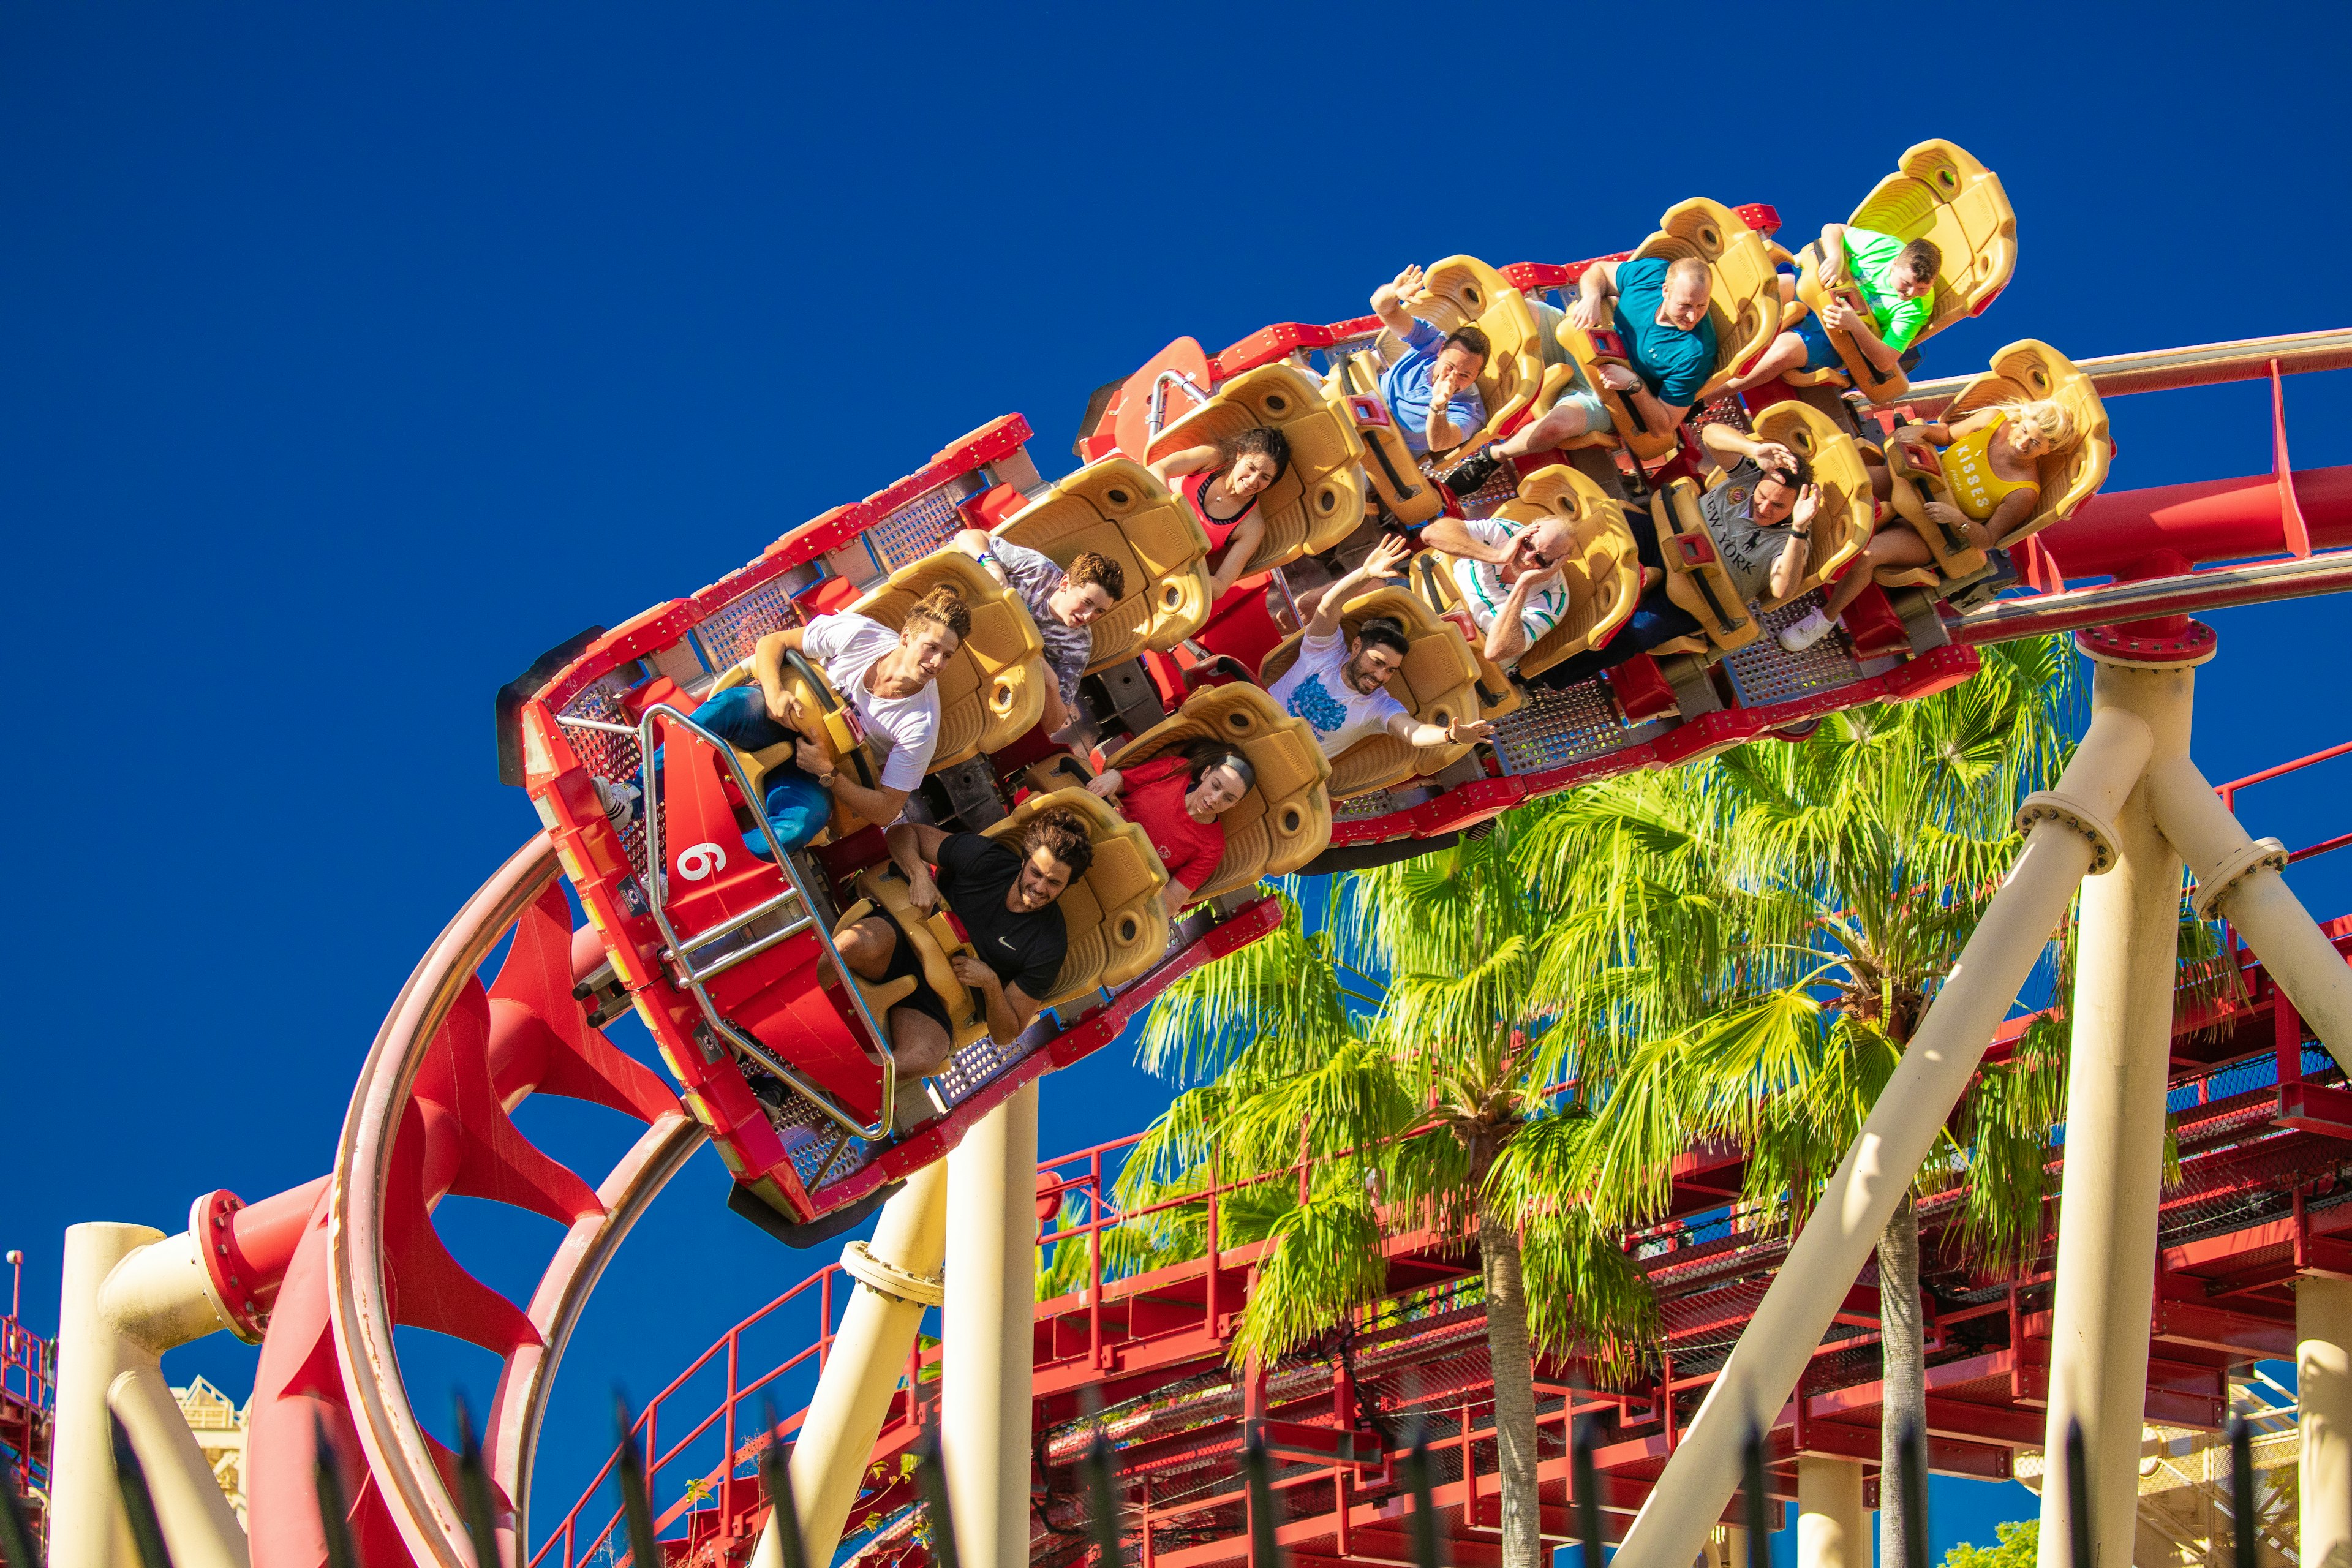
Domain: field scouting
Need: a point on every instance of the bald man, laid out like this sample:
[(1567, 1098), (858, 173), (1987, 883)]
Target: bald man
[(1509, 578), (1659, 308)]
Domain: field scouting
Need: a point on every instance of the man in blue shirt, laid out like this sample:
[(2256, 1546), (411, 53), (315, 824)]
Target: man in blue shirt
[(1659, 309), (1432, 392)]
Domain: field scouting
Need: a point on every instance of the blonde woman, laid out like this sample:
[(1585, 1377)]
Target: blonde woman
[(1990, 462)]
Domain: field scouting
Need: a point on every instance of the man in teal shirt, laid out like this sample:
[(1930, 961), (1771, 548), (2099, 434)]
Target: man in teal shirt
[(1895, 283), (1658, 307)]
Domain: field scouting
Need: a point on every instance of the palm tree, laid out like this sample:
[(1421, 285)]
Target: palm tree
[(1400, 1053), (1758, 938)]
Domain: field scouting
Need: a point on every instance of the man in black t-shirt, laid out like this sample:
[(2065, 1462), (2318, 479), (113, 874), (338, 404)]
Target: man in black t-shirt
[(1004, 898)]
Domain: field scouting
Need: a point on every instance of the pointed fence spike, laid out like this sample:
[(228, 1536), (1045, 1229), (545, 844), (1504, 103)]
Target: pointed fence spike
[(1102, 1503), (776, 1480), (138, 1503), (1586, 1479), (1760, 1529), (15, 1530), (1911, 1451), (2242, 1490), (1424, 1511), (2078, 1500), (1266, 1549), (474, 1489), (645, 1551), (931, 1483), (334, 1509)]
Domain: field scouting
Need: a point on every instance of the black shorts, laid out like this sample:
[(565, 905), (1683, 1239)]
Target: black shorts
[(903, 962)]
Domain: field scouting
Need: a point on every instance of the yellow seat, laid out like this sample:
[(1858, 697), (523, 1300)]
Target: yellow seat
[(2026, 370), (993, 691), (1113, 915), (935, 944), (1743, 302), (844, 746), (1410, 496), (1284, 820), (1117, 509), (1841, 527), (1697, 578), (1938, 192), (1463, 290), (1437, 685), (1319, 500)]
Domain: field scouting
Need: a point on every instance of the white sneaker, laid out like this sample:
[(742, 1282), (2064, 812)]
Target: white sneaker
[(619, 801), (1802, 635)]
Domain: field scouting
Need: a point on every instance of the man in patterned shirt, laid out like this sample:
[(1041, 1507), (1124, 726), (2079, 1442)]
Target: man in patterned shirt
[(1062, 601), (1509, 579)]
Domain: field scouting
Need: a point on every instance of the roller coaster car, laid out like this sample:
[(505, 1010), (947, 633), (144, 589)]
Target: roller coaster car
[(1743, 302), (2025, 371), (1697, 578), (1112, 913), (1602, 571), (1939, 193), (1284, 820), (1319, 500), (1437, 685), (992, 690), (1116, 508), (1842, 527)]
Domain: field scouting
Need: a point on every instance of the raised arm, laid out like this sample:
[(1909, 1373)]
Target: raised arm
[(1832, 259), (1452, 535), (1727, 446), (1188, 460), (1388, 301), (1789, 569), (1386, 559), (1414, 732), (1507, 638), (981, 547)]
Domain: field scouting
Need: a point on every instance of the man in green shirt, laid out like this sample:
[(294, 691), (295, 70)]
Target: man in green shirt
[(1884, 292)]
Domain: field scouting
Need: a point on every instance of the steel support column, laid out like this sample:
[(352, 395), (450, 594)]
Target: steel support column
[(867, 1357), (1832, 1527), (2126, 952), (2322, 1368), (990, 1335), (1844, 1227)]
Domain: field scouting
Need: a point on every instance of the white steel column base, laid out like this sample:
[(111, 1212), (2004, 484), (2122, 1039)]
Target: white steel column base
[(990, 1336)]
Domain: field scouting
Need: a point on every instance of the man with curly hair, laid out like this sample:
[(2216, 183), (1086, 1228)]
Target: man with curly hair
[(1064, 601), (1004, 896)]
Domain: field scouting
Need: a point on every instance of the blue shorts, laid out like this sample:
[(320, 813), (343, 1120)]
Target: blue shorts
[(797, 807), (1821, 354)]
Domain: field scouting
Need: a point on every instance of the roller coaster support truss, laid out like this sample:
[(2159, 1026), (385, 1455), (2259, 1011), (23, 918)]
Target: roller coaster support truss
[(2129, 809)]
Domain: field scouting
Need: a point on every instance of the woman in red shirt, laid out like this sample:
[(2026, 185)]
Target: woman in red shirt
[(1221, 484), (1176, 798)]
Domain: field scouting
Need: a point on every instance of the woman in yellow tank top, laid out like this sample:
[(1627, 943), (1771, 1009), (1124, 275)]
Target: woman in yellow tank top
[(1990, 462)]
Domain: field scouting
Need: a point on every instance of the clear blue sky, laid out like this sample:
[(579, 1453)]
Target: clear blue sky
[(348, 358)]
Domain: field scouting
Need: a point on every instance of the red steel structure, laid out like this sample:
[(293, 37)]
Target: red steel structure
[(2264, 1131), (28, 1380)]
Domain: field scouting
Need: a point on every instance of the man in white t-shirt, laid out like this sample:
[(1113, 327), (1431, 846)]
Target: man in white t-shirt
[(1339, 685), (1509, 578), (886, 677)]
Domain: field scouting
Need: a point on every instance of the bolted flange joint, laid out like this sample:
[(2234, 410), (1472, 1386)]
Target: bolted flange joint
[(2141, 645), (888, 1280), (2049, 805), (2261, 854)]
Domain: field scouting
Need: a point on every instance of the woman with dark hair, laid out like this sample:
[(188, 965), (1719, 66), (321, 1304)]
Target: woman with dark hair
[(1176, 798), (1221, 484)]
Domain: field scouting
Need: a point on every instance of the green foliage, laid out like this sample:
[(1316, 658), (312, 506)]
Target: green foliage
[(2020, 1540)]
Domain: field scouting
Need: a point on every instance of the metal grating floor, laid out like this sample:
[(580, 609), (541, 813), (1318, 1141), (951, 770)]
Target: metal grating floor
[(1764, 672), (1556, 728)]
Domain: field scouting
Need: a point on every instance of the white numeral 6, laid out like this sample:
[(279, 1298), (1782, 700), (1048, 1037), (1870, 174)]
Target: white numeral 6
[(696, 861)]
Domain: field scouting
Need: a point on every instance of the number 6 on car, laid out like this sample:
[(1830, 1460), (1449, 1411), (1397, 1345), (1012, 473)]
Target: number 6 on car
[(696, 861)]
